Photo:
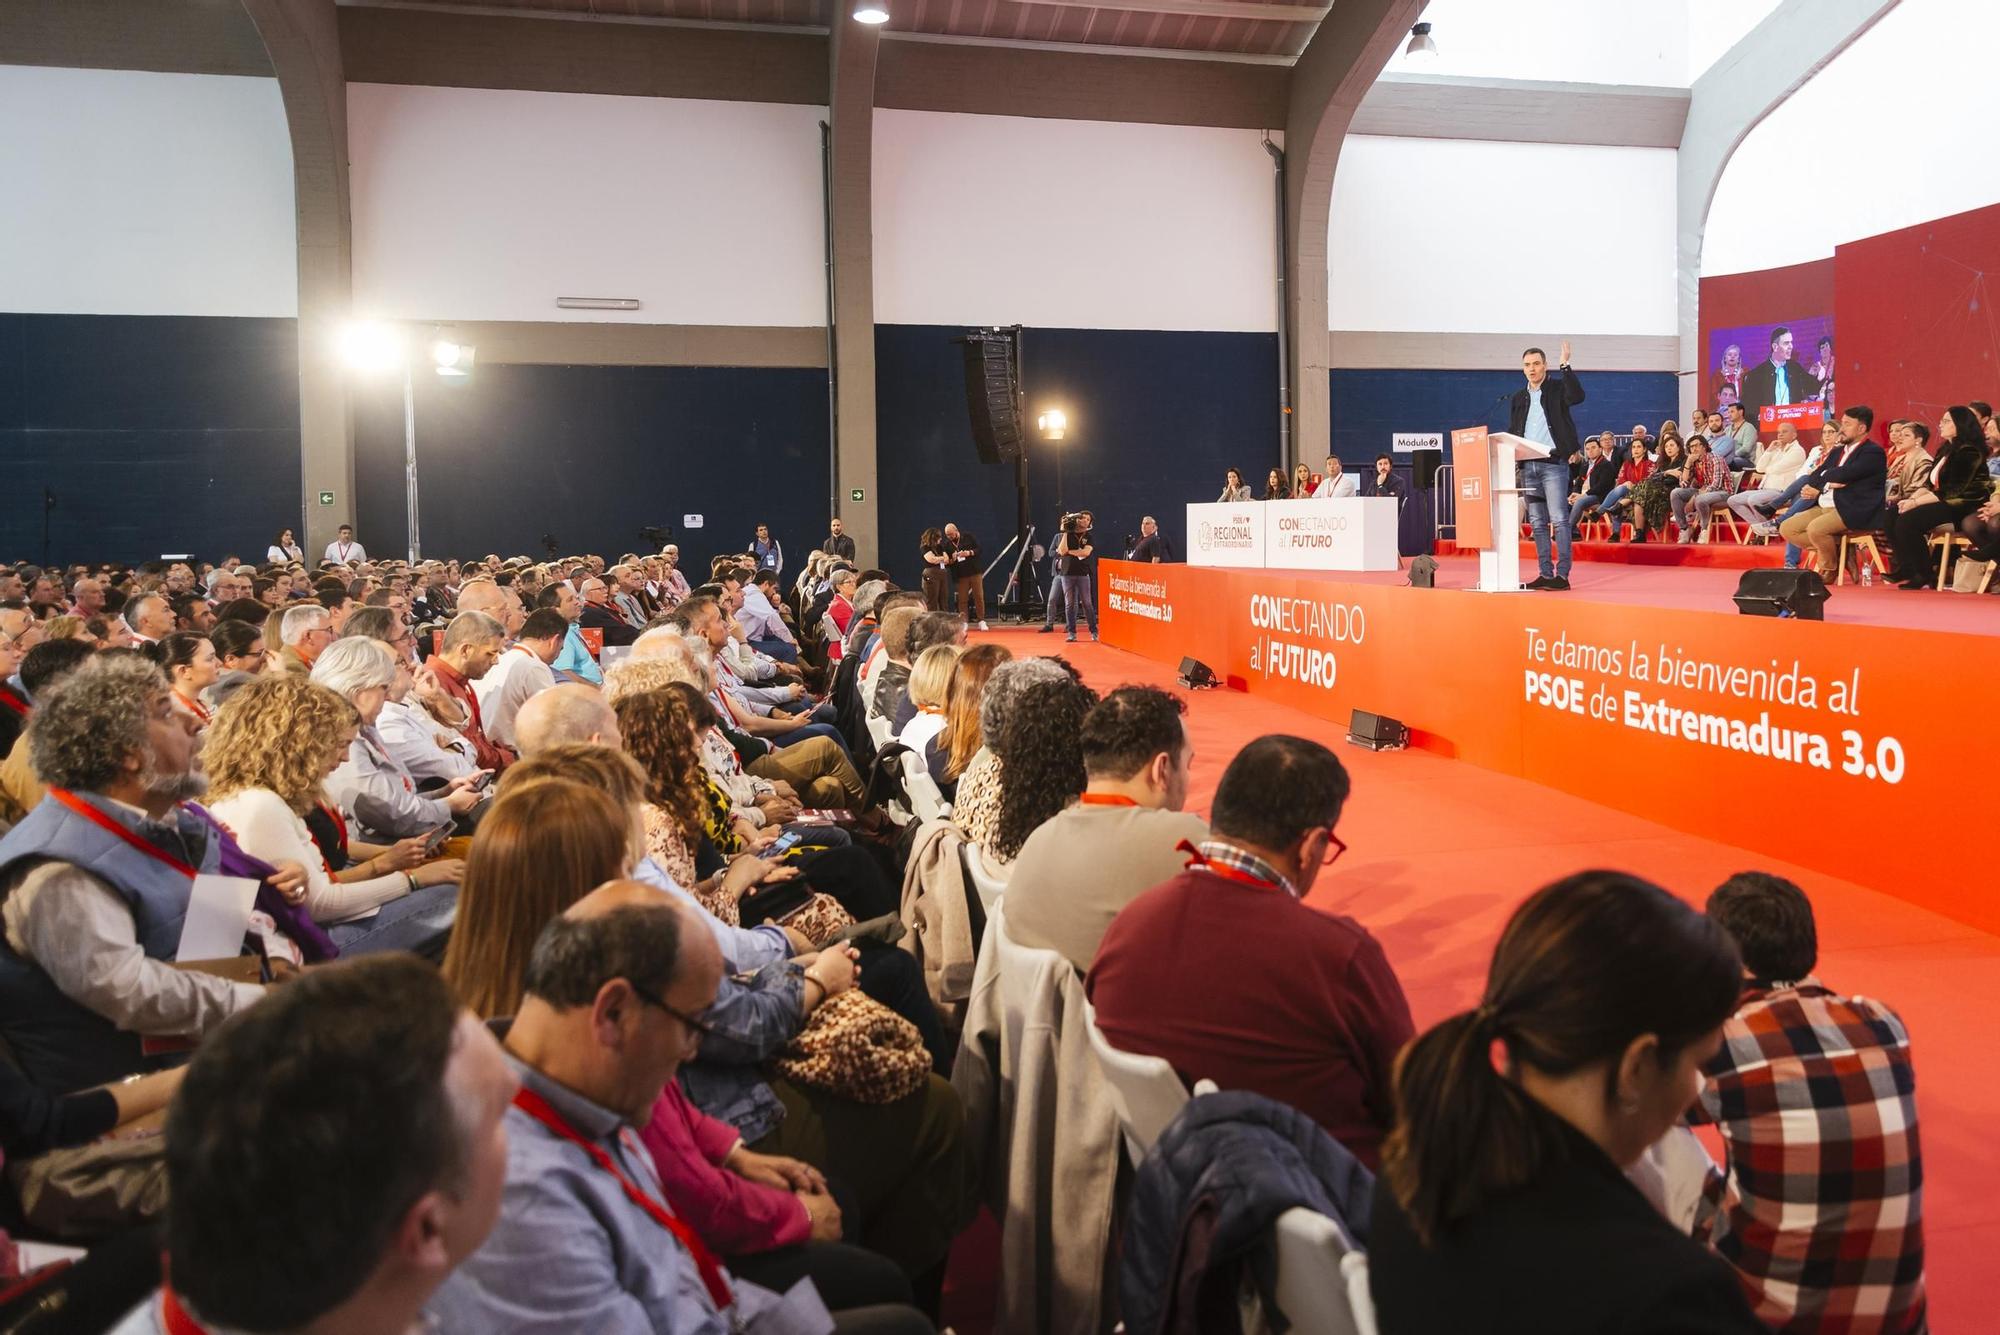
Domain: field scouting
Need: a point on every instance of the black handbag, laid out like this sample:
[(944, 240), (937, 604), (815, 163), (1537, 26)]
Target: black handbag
[(773, 901)]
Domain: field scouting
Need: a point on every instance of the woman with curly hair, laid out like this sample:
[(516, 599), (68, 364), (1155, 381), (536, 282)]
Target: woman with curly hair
[(948, 753), (1032, 764), (267, 755)]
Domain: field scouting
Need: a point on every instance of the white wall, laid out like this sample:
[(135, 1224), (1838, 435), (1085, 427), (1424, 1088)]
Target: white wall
[(1578, 41), (1896, 130), (145, 194), (1479, 236), (1716, 25), (481, 204), (1072, 224)]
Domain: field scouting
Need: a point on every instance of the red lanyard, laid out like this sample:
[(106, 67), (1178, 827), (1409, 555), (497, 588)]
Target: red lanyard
[(104, 822), (1107, 800), (1196, 858), (712, 1277), (173, 1316), (13, 702), (193, 706)]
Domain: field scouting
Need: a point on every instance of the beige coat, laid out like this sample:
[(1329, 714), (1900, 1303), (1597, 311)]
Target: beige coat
[(1044, 1139), (940, 926)]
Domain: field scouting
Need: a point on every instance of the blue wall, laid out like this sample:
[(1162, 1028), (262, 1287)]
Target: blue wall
[(1155, 418), (1369, 405), (156, 434), (591, 454)]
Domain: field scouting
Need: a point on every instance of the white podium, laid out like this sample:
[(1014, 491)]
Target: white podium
[(1500, 560)]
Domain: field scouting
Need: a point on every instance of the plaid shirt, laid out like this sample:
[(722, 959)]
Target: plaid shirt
[(1236, 859), (1821, 1214)]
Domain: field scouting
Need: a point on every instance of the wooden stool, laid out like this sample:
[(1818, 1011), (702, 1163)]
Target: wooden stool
[(1949, 542), (1861, 544)]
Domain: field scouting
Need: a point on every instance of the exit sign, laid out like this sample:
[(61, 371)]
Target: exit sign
[(326, 498), (856, 495)]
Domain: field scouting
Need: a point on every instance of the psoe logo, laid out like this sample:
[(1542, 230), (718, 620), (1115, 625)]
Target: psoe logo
[(1471, 489), (1205, 535)]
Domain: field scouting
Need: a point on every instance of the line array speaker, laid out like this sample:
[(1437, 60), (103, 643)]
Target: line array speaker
[(990, 398)]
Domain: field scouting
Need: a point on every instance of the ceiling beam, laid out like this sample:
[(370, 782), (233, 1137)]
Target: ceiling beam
[(1207, 9), (1447, 107)]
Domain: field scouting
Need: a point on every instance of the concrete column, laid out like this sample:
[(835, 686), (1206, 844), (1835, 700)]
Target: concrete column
[(1728, 101), (853, 48), (1355, 41), (303, 38)]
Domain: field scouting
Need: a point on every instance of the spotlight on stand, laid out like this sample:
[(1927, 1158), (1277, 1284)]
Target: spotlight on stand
[(369, 345), (1197, 675), (1782, 593), (1052, 424), (452, 359), (1377, 732), (1421, 49)]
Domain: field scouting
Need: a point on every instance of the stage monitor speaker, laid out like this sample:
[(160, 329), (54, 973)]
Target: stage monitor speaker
[(1197, 675), (1424, 465), (1782, 593), (1377, 732), (990, 398)]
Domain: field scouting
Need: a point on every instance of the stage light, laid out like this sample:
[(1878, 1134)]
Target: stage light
[(871, 11), (1377, 732), (1421, 49), (454, 360), (369, 345), (1052, 424)]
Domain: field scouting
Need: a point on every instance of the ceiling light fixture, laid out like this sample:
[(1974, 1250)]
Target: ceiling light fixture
[(871, 11), (1421, 50), (598, 303)]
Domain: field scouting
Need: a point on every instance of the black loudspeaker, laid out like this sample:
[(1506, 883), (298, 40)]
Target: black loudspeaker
[(1197, 675), (1377, 732), (990, 398), (1424, 465), (1782, 593)]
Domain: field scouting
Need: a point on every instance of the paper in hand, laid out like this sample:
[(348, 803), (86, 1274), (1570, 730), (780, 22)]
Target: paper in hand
[(218, 915)]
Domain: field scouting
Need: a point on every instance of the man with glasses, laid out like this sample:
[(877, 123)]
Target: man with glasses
[(1225, 973), (586, 1239), (305, 631), (19, 632)]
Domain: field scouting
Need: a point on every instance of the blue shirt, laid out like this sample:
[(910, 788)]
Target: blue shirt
[(1537, 428), (575, 658), (1781, 389), (744, 949)]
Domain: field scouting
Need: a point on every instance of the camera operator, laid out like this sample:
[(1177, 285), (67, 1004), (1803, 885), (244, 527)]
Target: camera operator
[(1076, 558)]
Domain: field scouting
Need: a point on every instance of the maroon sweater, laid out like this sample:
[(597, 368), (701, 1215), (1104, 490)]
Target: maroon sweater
[(1248, 987)]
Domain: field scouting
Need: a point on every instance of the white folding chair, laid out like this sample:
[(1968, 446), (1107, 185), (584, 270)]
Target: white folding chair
[(925, 798), (1322, 1278), (984, 880), (878, 728), (1145, 1092)]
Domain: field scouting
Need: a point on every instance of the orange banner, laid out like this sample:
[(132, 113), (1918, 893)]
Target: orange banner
[(1793, 737), (1472, 472)]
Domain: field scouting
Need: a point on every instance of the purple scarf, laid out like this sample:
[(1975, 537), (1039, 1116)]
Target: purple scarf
[(292, 919)]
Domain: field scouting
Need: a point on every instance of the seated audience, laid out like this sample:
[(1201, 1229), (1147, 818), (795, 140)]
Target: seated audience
[(1313, 1015), (42, 672), (522, 672), (926, 632), (930, 679), (1503, 1203), (976, 808), (763, 625), (1120, 839), (1847, 491), (1594, 484), (888, 684), (1815, 1096), (839, 613), (304, 631), (598, 614), (1636, 468), (1652, 498), (239, 646), (94, 886), (331, 1156), (1034, 735), (574, 663), (268, 753), (1705, 488), (374, 789), (585, 1240), (191, 667), (960, 738), (1954, 486), (473, 642), (1775, 465), (1788, 502)]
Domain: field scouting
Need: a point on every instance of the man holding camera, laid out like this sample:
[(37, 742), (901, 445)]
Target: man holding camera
[(1075, 560)]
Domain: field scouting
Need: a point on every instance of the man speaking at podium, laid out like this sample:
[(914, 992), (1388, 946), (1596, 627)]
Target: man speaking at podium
[(1541, 414)]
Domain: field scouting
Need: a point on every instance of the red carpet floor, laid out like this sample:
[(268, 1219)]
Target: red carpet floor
[(1440, 852)]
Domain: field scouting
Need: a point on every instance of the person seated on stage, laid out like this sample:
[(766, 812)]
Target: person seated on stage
[(1652, 499), (1739, 440), (930, 679), (1636, 468), (1705, 488), (1955, 486), (926, 632), (1275, 487), (1776, 466), (330, 1157), (1504, 1187), (1595, 481), (1847, 492), (995, 809), (1234, 488), (1334, 482), (1302, 1005), (1120, 839), (1386, 481), (1815, 1096), (1788, 503)]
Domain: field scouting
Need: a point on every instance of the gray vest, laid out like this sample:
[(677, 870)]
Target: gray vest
[(156, 892)]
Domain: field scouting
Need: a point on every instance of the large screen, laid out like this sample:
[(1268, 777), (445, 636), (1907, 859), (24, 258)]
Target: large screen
[(1779, 372)]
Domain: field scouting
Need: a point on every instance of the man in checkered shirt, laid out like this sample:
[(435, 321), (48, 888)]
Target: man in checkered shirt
[(1815, 1096)]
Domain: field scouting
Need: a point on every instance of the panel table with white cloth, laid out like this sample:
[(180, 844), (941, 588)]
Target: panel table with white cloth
[(1351, 533)]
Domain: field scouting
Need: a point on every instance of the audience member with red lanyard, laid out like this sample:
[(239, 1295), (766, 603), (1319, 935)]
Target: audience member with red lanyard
[(840, 613), (370, 785), (585, 1241), (19, 632), (191, 667), (473, 642), (1311, 1013), (331, 1156)]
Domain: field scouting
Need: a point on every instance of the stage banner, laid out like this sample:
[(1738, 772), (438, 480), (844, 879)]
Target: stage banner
[(1351, 533), (1226, 533), (1472, 472), (1713, 723)]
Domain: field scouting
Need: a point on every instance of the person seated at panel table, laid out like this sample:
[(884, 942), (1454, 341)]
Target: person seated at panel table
[(1335, 483), (1275, 487), (1234, 488), (1386, 481), (1302, 482)]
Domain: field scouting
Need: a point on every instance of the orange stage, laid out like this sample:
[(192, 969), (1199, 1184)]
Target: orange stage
[(1847, 745)]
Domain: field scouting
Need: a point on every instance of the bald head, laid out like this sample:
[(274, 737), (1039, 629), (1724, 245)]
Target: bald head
[(486, 597), (563, 715)]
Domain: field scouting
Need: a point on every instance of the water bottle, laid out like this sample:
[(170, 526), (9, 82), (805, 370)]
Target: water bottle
[(1867, 574)]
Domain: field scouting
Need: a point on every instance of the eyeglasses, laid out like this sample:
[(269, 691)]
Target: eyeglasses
[(1336, 846), (701, 1030)]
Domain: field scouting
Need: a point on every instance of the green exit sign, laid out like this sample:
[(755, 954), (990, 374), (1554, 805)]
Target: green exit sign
[(856, 495), (326, 498)]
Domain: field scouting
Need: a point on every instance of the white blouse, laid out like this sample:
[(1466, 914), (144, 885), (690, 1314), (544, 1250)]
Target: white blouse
[(266, 828)]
